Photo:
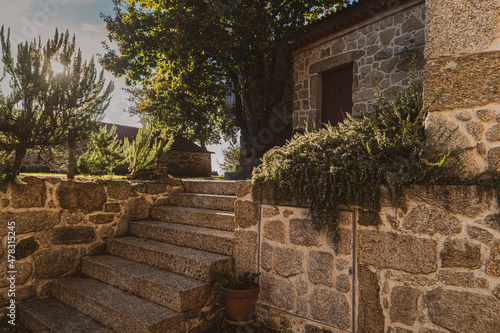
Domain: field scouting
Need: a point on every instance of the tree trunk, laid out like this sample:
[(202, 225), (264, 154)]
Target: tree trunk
[(71, 160), (18, 159), (203, 145)]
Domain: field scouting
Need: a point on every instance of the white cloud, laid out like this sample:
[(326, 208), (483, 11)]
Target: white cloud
[(90, 28), (13, 8), (80, 2)]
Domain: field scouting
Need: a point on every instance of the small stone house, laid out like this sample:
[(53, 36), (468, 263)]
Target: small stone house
[(184, 159), (337, 62)]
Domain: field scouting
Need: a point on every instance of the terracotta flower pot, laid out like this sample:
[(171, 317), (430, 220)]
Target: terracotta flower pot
[(241, 303)]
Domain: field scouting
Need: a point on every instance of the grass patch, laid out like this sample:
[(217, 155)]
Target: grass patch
[(43, 174)]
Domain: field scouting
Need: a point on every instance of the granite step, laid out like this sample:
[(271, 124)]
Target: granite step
[(208, 218), (200, 238), (208, 201), (115, 308), (52, 315), (222, 187), (177, 292), (181, 260)]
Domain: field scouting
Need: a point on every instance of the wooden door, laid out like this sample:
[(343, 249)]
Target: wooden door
[(336, 95)]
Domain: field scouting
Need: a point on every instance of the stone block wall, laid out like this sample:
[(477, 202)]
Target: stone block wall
[(188, 164), (302, 271), (373, 48), (463, 67), (434, 268), (246, 234), (58, 221)]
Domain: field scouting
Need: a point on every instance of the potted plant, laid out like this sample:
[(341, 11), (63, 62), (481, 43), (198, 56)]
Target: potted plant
[(240, 292)]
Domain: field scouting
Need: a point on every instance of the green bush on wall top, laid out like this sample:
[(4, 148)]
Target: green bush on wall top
[(103, 155), (348, 163), (147, 147)]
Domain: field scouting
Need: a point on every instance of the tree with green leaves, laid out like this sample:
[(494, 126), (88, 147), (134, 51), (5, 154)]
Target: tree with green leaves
[(231, 158), (182, 54), (83, 97), (197, 114), (27, 116), (104, 153), (44, 108), (147, 148), (6, 172)]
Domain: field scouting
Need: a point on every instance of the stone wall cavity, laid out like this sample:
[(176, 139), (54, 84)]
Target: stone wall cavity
[(372, 47), (59, 221), (433, 268), (463, 67)]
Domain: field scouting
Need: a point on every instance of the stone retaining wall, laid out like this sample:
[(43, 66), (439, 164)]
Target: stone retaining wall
[(432, 269), (58, 221)]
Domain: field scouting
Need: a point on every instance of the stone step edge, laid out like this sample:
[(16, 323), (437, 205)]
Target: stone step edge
[(200, 217), (193, 256), (200, 238), (138, 322), (50, 315), (173, 302)]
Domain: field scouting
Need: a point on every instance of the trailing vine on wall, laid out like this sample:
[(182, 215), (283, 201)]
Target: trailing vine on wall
[(350, 163)]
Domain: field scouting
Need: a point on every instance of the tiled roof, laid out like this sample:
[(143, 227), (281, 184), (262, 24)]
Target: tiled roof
[(123, 131), (180, 143), (357, 12)]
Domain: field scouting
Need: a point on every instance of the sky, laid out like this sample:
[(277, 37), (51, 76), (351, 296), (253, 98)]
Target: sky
[(29, 19)]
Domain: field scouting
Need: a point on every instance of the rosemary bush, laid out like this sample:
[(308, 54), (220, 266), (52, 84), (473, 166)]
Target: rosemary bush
[(147, 147), (6, 171), (103, 155), (234, 282), (349, 163)]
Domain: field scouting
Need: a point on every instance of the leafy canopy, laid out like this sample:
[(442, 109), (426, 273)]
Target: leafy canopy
[(180, 54)]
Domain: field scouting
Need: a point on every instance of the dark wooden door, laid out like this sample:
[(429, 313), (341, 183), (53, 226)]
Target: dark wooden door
[(337, 95)]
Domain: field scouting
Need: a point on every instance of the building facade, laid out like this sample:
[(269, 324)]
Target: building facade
[(345, 55)]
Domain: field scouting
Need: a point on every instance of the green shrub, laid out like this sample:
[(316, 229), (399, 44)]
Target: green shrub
[(349, 163), (231, 157), (103, 155), (234, 282), (142, 152), (6, 172)]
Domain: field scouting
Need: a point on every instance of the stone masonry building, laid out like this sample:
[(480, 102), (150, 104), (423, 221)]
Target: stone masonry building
[(373, 42), (338, 62)]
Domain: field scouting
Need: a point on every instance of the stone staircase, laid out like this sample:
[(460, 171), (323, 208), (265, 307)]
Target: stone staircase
[(156, 279)]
